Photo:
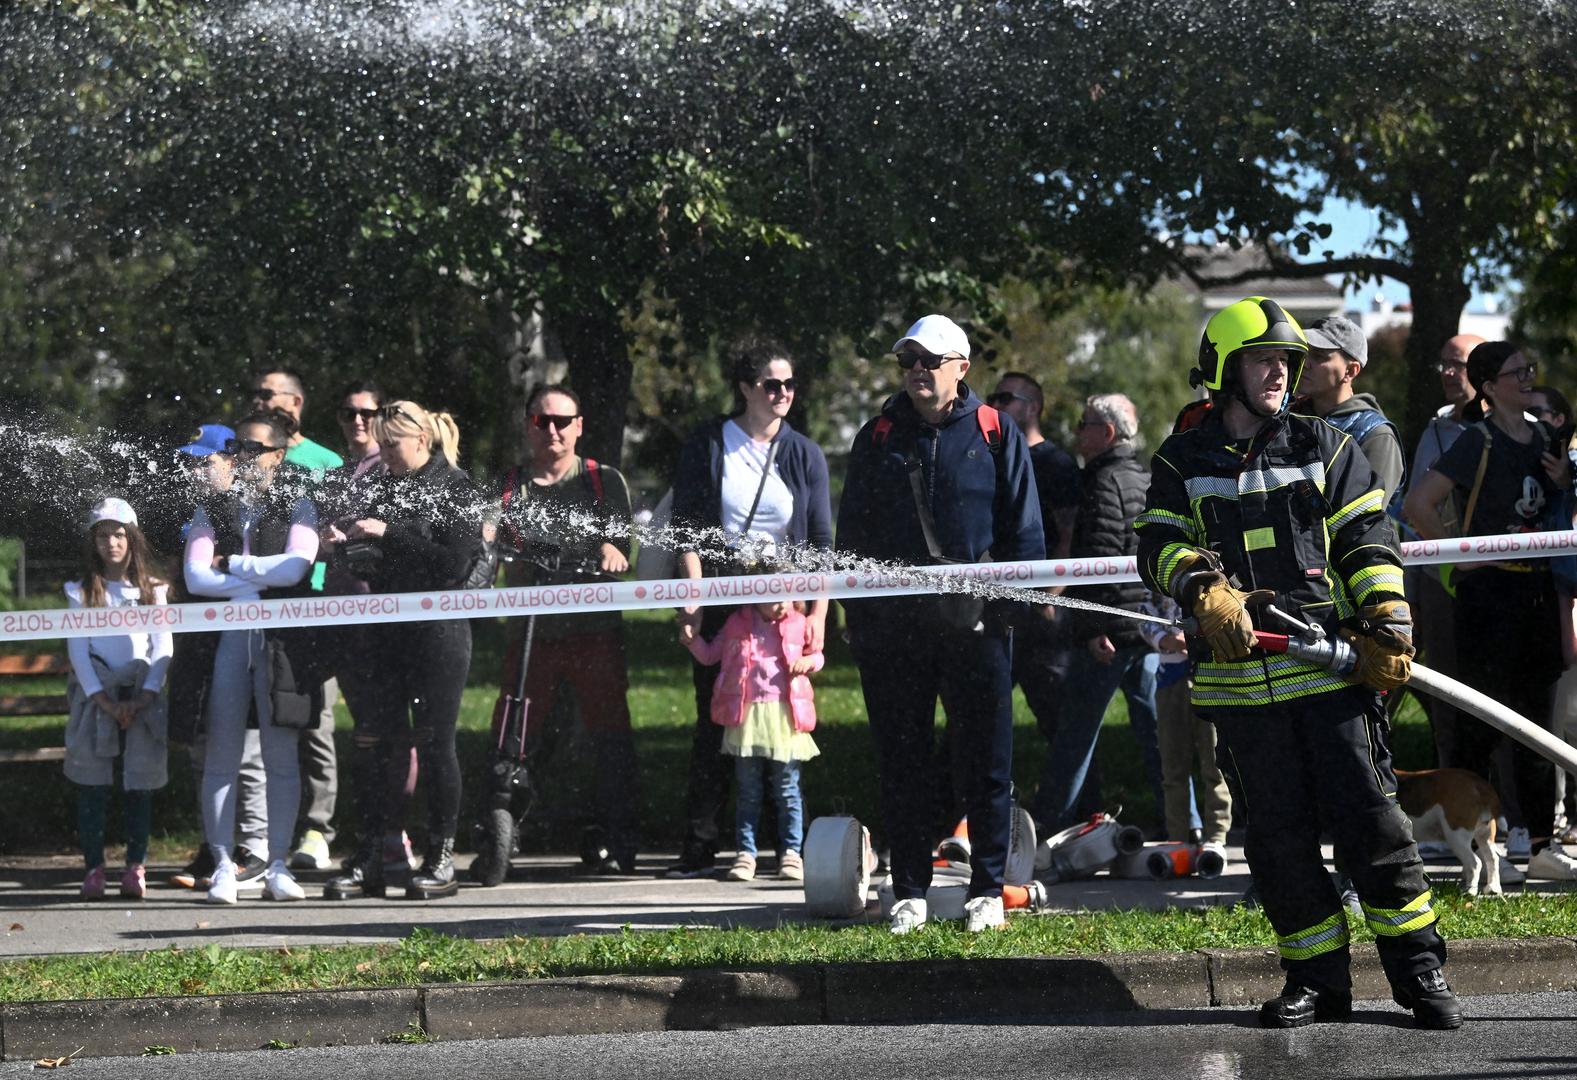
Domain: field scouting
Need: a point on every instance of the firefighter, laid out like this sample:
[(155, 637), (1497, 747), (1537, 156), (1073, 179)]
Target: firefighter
[(1256, 508)]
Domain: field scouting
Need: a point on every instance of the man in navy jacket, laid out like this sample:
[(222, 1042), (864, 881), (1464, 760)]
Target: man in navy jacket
[(936, 450)]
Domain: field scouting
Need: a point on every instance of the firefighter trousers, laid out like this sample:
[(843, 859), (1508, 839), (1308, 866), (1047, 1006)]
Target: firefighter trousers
[(1325, 760)]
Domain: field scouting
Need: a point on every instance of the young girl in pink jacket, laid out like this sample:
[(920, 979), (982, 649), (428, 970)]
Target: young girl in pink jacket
[(763, 700)]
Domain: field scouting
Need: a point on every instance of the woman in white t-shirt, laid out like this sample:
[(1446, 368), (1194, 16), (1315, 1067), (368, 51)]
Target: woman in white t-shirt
[(723, 466), (117, 710)]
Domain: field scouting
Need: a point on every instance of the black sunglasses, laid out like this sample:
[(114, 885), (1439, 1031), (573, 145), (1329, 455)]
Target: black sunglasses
[(929, 361), (1007, 397), (347, 414), (778, 386), (247, 448), (543, 421), (391, 412)]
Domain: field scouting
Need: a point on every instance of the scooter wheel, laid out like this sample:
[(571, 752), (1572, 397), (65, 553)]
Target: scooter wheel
[(496, 845)]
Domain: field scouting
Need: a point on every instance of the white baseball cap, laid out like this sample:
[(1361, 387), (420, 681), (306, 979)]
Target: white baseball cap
[(938, 335), (118, 510)]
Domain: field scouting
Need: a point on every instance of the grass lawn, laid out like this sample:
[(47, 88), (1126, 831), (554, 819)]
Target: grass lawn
[(426, 957)]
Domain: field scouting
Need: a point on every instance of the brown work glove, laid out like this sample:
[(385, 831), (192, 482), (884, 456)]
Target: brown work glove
[(1384, 643), (1222, 614)]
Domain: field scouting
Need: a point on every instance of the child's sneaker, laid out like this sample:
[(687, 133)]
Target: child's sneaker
[(93, 884), (222, 886), (134, 882), (791, 867), (280, 884), (744, 868)]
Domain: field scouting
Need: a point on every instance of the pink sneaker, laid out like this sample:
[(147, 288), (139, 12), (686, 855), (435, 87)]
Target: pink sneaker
[(93, 884), (134, 882)]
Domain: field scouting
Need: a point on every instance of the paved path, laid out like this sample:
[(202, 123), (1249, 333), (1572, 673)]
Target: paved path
[(40, 912)]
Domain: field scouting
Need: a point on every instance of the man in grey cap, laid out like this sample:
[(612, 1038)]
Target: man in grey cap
[(1337, 355)]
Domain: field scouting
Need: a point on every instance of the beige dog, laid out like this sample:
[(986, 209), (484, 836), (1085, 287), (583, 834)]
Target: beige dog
[(1458, 808)]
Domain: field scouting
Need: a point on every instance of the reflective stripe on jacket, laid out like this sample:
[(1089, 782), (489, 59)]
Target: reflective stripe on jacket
[(1303, 518)]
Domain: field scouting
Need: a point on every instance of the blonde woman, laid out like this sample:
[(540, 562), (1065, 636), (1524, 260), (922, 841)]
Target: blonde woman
[(422, 531)]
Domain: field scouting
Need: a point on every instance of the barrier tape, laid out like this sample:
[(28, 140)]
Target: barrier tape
[(319, 610)]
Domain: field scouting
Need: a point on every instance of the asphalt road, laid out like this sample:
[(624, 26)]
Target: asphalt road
[(1512, 1036)]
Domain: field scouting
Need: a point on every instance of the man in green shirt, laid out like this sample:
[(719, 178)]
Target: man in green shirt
[(281, 388), (556, 491)]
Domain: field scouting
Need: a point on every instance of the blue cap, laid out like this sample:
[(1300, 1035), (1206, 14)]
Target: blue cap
[(209, 439)]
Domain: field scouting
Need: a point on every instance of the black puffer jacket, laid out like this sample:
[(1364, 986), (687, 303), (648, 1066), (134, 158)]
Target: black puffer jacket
[(434, 517), (1113, 493)]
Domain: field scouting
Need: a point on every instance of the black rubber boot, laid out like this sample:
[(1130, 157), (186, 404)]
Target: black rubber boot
[(1300, 1005), (436, 879), (362, 877), (1434, 1005)]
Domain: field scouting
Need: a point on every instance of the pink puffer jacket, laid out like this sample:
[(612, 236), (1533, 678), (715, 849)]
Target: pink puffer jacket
[(736, 648)]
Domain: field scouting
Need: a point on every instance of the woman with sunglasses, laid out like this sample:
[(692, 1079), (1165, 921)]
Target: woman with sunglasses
[(422, 531), (254, 541), (1503, 475), (383, 763), (750, 480)]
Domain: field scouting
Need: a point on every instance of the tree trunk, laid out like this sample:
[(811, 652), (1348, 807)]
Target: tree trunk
[(1439, 294), (597, 353)]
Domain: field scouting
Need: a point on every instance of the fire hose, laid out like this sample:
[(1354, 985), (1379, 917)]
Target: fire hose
[(1309, 642), (1336, 655)]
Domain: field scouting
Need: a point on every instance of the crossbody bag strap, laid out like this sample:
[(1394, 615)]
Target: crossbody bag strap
[(1478, 483), (922, 506), (766, 470)]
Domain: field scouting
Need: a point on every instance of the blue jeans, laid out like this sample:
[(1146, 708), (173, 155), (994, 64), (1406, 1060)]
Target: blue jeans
[(753, 778), (1091, 685)]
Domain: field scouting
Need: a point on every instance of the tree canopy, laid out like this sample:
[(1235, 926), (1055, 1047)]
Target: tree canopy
[(434, 195)]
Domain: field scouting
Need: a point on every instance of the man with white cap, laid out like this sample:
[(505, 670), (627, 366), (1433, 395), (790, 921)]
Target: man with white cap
[(1337, 355), (939, 477)]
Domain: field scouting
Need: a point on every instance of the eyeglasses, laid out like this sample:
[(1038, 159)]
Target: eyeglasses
[(264, 394), (246, 448), (349, 415), (1521, 374), (1007, 397), (774, 387), (929, 361), (1449, 369), (1087, 422), (543, 421)]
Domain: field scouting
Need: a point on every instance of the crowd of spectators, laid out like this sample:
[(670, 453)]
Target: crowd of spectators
[(940, 473)]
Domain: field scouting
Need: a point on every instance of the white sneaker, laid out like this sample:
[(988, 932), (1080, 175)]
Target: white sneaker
[(280, 884), (1518, 845), (222, 886), (983, 913), (1553, 864), (907, 915)]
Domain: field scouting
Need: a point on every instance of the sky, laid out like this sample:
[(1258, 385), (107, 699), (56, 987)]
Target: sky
[(1353, 229)]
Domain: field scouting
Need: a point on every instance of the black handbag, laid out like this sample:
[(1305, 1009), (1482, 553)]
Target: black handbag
[(294, 677)]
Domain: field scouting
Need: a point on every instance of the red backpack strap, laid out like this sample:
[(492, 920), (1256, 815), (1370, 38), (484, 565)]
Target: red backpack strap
[(593, 473), (990, 426), (511, 485), (880, 430)]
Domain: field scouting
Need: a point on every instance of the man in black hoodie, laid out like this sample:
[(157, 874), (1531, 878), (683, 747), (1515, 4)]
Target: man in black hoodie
[(1108, 652)]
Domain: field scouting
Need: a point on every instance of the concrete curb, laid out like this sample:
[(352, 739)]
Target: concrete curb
[(909, 992)]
